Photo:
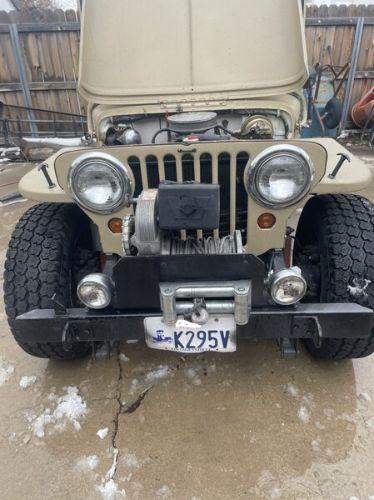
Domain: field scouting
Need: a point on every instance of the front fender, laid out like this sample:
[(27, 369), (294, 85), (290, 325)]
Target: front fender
[(34, 185), (353, 177)]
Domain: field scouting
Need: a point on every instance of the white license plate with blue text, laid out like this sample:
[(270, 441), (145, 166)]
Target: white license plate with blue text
[(217, 334)]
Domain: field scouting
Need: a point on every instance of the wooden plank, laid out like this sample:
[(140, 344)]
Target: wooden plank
[(35, 86), (363, 75), (336, 21), (340, 11), (71, 16), (366, 55), (75, 26), (43, 27)]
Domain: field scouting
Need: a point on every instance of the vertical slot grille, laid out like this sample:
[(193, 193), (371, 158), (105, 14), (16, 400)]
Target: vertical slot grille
[(152, 172), (241, 195), (134, 164), (225, 169)]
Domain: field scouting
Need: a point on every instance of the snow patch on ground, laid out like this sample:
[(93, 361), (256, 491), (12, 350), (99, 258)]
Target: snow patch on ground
[(69, 408), (113, 468), (109, 490), (293, 390), (149, 378), (161, 372), (316, 444), (303, 414), (124, 358), (103, 352), (26, 381), (102, 433), (370, 422), (164, 492), (192, 374), (9, 154), (212, 368), (130, 460), (364, 397), (88, 463), (306, 401), (134, 385), (6, 371)]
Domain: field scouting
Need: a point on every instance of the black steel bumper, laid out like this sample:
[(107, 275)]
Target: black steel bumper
[(137, 295), (301, 321)]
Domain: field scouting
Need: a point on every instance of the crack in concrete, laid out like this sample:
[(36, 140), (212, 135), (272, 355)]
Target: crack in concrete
[(118, 397), (121, 409), (131, 407)]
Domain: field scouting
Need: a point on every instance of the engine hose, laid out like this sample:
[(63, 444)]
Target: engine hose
[(220, 127), (227, 131), (160, 132)]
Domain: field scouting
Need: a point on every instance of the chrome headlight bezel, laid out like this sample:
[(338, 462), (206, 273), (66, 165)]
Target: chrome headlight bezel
[(252, 176), (117, 167)]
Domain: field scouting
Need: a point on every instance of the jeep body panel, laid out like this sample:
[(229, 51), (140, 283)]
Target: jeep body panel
[(132, 54), (352, 178)]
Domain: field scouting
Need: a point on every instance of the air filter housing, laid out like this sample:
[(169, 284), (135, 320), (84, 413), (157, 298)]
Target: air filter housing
[(186, 123)]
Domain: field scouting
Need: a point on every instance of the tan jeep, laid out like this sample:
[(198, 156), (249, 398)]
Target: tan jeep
[(175, 221)]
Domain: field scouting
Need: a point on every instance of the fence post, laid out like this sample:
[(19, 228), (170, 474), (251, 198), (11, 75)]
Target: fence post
[(352, 71), (14, 38)]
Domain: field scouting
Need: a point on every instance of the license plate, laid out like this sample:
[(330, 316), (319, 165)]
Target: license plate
[(217, 334)]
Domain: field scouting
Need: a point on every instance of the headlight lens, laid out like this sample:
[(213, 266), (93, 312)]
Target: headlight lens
[(99, 182), (287, 286), (280, 176)]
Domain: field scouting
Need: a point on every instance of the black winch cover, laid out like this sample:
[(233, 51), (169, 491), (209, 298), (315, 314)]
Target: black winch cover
[(188, 205)]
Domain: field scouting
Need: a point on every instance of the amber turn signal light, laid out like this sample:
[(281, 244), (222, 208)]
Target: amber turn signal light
[(115, 225), (266, 221)]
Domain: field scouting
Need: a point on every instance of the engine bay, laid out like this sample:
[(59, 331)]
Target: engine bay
[(195, 126)]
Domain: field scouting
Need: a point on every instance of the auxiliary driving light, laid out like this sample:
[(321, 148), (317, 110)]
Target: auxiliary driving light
[(287, 286), (95, 291)]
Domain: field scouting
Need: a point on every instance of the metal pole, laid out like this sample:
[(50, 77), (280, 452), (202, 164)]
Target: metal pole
[(14, 38), (352, 72)]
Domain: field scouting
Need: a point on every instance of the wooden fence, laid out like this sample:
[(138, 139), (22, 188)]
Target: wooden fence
[(39, 50)]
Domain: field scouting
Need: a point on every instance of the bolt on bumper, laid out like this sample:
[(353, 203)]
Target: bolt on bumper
[(314, 321)]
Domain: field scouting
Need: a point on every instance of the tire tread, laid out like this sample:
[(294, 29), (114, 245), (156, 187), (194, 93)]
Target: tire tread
[(38, 264), (345, 228)]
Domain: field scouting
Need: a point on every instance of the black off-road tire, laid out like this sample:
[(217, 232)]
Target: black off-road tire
[(341, 229), (46, 253)]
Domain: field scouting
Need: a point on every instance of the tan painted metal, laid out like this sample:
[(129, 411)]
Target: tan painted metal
[(34, 185), (353, 177), (144, 52)]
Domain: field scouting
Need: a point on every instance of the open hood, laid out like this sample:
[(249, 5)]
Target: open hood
[(148, 52)]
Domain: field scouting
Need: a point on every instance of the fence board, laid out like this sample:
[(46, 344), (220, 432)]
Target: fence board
[(49, 42)]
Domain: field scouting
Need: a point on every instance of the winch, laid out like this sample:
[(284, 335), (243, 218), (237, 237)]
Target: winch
[(175, 220), (171, 220)]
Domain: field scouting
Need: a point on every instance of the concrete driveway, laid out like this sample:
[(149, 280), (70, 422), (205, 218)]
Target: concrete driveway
[(244, 425)]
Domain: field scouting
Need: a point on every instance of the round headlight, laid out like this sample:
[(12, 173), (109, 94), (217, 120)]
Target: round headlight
[(280, 176), (95, 291), (287, 286), (99, 182)]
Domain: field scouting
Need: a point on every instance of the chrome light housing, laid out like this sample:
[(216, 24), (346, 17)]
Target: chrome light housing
[(280, 176), (99, 182), (95, 291), (287, 286)]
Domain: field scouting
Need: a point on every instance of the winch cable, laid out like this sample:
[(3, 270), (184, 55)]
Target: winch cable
[(205, 246)]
